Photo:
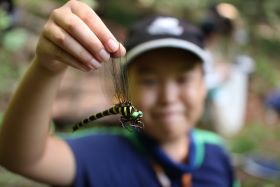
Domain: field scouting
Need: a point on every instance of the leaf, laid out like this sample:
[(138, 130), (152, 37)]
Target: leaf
[(15, 39)]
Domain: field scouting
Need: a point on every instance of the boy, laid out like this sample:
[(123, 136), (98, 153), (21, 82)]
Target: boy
[(164, 64)]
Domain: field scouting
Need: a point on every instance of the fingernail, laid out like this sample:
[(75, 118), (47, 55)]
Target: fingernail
[(95, 63), (123, 50), (104, 55), (113, 44)]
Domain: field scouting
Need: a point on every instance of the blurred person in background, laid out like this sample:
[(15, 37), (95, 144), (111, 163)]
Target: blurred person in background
[(227, 70), (165, 58)]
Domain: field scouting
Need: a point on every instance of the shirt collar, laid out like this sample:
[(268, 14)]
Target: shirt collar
[(172, 169)]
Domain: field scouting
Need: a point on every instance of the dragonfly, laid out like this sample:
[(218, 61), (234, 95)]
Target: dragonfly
[(130, 116)]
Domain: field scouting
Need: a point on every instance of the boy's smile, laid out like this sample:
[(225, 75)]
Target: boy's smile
[(167, 85)]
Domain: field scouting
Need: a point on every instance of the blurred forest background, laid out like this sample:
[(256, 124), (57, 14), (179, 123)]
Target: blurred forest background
[(19, 33)]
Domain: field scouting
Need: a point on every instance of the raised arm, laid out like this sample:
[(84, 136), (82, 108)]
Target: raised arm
[(73, 36)]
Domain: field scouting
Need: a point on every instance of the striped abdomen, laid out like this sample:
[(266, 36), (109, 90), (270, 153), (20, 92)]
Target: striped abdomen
[(125, 111)]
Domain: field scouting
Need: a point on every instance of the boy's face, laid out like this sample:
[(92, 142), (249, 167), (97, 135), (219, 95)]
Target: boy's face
[(167, 86)]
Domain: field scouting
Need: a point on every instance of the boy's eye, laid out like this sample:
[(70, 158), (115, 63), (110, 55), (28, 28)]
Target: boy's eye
[(184, 79), (148, 81)]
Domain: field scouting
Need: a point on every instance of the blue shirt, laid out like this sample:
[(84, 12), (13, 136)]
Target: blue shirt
[(117, 157)]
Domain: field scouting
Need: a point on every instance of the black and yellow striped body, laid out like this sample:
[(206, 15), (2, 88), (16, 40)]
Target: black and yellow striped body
[(123, 109)]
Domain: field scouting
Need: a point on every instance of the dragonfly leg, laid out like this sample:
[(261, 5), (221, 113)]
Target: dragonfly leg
[(138, 125), (124, 122)]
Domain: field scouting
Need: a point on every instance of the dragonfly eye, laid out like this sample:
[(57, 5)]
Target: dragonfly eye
[(140, 114), (136, 115)]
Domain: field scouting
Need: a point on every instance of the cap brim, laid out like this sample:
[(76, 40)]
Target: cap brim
[(167, 42)]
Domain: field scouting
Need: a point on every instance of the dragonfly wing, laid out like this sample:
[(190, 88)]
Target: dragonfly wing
[(120, 80)]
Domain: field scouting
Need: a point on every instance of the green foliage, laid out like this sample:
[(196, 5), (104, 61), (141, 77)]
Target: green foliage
[(266, 70), (5, 20), (1, 118), (254, 138), (277, 134), (243, 145), (15, 39), (259, 139), (91, 3), (268, 46), (33, 3), (246, 141), (182, 7), (8, 72)]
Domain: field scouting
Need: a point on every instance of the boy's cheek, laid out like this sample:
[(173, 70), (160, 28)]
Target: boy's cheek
[(196, 93), (144, 99), (191, 95)]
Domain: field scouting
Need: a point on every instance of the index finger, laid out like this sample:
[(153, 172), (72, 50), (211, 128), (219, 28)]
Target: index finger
[(98, 27)]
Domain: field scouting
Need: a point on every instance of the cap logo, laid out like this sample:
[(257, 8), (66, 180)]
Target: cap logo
[(165, 25)]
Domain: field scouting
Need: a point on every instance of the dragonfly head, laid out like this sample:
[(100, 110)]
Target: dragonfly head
[(137, 114)]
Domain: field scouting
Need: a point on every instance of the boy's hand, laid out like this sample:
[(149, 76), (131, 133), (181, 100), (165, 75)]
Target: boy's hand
[(74, 35)]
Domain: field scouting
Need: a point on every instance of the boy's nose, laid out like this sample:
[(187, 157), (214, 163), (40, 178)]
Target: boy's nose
[(168, 93)]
